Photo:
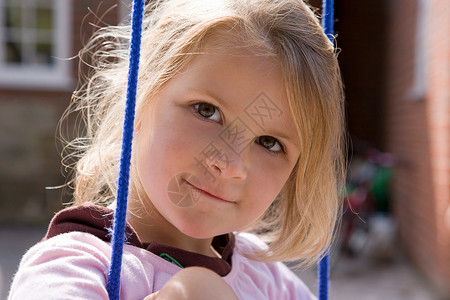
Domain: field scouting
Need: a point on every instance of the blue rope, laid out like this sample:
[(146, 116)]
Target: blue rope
[(323, 274), (328, 18), (324, 268), (125, 159)]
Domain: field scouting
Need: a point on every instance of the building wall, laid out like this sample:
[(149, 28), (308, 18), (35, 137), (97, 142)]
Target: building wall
[(360, 39), (30, 159), (360, 30), (418, 131)]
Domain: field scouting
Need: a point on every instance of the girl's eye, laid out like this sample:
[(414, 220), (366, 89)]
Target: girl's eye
[(270, 143), (208, 111)]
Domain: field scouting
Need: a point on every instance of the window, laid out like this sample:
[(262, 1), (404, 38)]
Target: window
[(35, 44)]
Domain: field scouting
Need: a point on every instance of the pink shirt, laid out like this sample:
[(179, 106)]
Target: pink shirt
[(74, 265)]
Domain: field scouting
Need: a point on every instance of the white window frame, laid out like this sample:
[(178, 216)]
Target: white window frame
[(56, 77)]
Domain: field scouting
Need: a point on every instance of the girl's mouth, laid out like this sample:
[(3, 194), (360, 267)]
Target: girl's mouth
[(206, 192)]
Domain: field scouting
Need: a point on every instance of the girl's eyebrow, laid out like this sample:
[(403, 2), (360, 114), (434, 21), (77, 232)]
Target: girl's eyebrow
[(280, 134), (211, 95)]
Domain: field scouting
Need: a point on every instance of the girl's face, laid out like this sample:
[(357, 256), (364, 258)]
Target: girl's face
[(216, 145)]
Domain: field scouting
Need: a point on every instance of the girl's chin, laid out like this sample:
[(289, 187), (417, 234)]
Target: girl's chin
[(199, 232)]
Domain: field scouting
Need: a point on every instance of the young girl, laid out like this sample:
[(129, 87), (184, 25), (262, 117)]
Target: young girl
[(239, 127)]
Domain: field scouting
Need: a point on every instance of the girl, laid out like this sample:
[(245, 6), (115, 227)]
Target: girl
[(239, 127)]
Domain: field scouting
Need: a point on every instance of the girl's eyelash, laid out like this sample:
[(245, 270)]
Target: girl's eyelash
[(209, 113), (277, 142)]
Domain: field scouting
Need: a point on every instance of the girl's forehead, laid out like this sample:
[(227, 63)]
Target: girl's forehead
[(231, 50), (237, 68), (237, 42)]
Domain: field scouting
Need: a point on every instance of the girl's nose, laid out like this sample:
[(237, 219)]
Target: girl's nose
[(224, 162)]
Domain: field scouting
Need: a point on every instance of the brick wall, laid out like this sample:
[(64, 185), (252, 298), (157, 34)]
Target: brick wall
[(30, 159), (418, 133)]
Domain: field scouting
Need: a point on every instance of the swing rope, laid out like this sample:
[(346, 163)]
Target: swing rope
[(125, 159), (328, 18), (324, 268), (120, 213)]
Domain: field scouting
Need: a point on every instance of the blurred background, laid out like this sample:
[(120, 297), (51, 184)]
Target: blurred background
[(395, 60)]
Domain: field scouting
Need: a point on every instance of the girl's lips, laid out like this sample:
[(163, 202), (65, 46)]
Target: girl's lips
[(208, 193)]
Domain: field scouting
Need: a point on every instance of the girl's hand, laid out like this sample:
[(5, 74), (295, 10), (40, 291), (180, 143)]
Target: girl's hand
[(194, 283)]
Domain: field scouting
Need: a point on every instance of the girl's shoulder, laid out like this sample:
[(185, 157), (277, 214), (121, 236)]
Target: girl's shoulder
[(250, 241), (60, 267), (252, 279), (72, 261), (75, 265)]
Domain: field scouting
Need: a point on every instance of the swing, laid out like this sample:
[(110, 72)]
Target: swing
[(124, 172)]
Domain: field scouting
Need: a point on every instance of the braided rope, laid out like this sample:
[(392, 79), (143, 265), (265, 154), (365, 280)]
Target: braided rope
[(328, 18), (125, 159), (323, 269)]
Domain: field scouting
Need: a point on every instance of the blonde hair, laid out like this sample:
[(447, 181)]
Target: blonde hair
[(301, 223)]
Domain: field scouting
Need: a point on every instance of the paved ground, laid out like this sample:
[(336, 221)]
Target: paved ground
[(361, 278), (364, 279)]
